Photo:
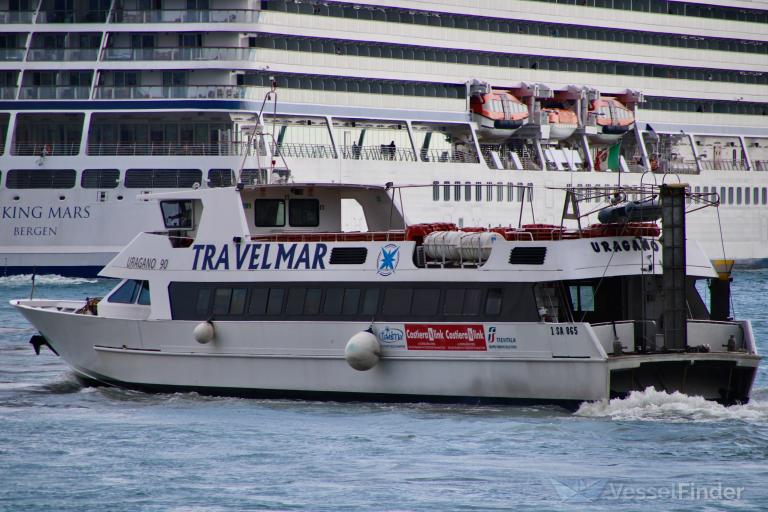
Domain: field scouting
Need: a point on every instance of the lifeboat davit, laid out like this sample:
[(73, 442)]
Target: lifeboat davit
[(562, 122), (498, 115), (612, 118)]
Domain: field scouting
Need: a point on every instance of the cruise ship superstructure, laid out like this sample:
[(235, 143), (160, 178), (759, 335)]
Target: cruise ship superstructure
[(103, 101)]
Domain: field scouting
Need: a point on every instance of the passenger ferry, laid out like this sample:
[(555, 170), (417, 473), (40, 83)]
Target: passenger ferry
[(256, 291), (103, 102)]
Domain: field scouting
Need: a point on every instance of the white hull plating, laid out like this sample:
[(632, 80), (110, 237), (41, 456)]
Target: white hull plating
[(306, 359)]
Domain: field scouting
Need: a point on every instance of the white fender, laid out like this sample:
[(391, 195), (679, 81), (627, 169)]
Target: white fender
[(204, 332), (362, 351)]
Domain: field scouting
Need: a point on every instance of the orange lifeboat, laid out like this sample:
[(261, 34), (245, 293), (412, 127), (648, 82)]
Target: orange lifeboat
[(498, 115), (612, 118), (562, 122)]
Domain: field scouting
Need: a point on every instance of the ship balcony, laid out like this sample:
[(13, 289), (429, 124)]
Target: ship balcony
[(171, 149), (54, 92), (10, 17), (186, 16), (184, 91), (11, 54), (72, 16), (62, 54), (179, 54), (7, 93), (40, 149)]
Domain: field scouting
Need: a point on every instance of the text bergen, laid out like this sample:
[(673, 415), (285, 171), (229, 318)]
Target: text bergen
[(259, 257)]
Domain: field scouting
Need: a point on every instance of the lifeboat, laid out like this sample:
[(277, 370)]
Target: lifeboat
[(562, 122), (612, 118), (498, 115)]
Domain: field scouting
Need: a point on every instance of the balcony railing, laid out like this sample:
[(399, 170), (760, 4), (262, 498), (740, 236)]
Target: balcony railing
[(16, 17), (723, 165), (62, 54), (293, 150), (380, 152), (54, 92), (189, 91), (179, 54), (170, 149), (186, 16), (448, 156), (46, 150), (7, 54), (760, 165), (71, 16), (7, 93)]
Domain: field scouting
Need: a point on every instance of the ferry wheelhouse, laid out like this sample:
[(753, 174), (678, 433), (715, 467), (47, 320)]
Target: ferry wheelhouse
[(256, 290), (102, 102)]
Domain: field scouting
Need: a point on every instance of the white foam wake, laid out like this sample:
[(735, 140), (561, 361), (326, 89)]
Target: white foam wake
[(25, 280), (652, 405)]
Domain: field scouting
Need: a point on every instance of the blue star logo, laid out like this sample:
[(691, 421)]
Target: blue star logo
[(388, 259)]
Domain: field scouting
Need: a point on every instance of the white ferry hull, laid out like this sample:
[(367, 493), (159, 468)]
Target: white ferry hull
[(261, 359)]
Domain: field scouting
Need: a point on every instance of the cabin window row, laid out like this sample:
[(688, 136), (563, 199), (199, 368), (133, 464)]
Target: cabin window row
[(134, 178), (504, 60), (458, 191), (427, 301), (490, 24), (354, 85)]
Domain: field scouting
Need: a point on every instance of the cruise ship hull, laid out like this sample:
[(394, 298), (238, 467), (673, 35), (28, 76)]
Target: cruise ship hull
[(81, 246)]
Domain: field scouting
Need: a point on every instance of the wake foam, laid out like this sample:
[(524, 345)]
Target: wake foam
[(25, 280), (652, 405)]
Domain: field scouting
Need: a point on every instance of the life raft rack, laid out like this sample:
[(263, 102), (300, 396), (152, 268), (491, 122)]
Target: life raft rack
[(527, 232)]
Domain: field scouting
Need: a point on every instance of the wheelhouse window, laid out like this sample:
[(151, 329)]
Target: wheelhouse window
[(304, 213), (582, 297), (131, 291), (269, 213), (177, 214)]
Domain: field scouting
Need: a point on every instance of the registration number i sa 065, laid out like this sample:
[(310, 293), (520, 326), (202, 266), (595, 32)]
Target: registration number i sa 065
[(564, 330)]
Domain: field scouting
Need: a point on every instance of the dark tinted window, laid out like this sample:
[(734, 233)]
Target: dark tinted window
[(275, 301), (304, 212), (312, 301), (295, 303), (100, 178), (425, 301), (471, 304), (333, 299), (221, 300), (162, 178), (269, 213), (493, 302), (144, 294), (397, 301), (258, 304), (370, 301), (454, 300), (351, 300), (237, 305), (203, 300), (177, 214), (127, 292), (40, 178), (220, 178)]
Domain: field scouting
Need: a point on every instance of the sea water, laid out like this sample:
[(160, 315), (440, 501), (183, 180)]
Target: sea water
[(64, 447)]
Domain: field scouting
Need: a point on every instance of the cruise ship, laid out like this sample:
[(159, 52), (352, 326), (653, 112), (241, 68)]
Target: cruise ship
[(105, 101)]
